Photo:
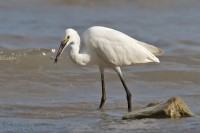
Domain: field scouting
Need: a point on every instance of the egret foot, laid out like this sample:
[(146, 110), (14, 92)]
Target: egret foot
[(103, 99)]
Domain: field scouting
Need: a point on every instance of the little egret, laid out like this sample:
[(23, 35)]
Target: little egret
[(107, 48)]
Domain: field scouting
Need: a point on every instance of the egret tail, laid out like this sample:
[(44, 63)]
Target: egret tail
[(154, 50)]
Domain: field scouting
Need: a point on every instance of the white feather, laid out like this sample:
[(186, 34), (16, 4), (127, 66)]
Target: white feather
[(116, 48)]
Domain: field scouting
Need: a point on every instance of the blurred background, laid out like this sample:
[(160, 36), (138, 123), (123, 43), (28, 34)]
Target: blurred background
[(38, 96), (40, 23)]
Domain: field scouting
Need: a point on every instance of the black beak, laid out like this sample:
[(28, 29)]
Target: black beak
[(60, 50)]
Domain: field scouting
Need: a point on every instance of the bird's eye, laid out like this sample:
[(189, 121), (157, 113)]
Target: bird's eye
[(68, 37)]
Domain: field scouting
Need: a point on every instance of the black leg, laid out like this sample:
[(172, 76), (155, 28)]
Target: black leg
[(128, 94), (103, 98)]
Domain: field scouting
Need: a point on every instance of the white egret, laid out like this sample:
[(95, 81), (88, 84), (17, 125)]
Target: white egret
[(107, 48)]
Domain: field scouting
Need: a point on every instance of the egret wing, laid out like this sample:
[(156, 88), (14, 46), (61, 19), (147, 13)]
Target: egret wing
[(117, 48), (121, 54)]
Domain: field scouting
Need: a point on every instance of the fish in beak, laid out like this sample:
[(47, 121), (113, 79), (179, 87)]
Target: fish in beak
[(61, 49)]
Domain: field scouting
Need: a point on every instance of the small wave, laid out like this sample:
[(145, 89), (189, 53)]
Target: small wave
[(29, 59)]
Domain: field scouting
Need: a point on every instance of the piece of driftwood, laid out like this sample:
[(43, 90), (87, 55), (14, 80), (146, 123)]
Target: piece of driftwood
[(172, 108)]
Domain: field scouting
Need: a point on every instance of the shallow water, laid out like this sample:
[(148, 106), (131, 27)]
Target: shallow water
[(38, 96)]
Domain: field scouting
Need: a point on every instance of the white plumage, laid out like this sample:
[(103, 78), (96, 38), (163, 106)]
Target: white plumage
[(107, 48)]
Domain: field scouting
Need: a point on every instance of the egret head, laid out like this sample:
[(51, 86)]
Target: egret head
[(70, 37)]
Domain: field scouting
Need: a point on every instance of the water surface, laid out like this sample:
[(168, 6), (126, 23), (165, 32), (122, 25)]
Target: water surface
[(38, 96)]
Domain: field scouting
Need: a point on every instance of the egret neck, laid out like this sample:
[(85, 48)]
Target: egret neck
[(78, 58)]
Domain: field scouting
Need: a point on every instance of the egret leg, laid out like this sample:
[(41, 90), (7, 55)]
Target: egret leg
[(128, 94), (103, 98)]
